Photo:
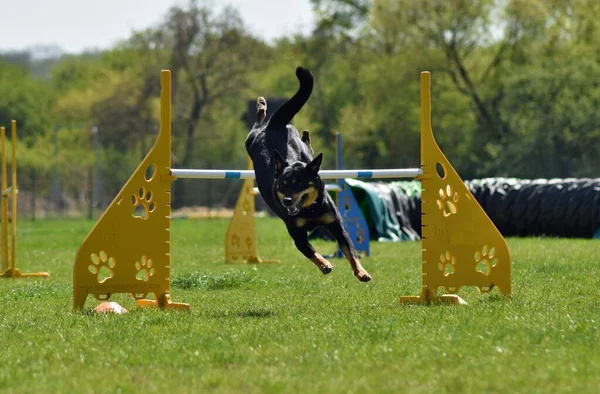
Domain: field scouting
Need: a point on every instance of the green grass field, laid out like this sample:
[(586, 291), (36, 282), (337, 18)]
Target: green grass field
[(287, 328)]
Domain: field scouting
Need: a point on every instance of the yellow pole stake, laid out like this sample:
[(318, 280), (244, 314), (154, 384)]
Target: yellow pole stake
[(4, 233), (9, 267), (14, 191)]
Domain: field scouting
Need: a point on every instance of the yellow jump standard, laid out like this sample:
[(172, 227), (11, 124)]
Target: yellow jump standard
[(9, 263)]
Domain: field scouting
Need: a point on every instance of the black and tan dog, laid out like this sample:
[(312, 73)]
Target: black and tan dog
[(287, 176)]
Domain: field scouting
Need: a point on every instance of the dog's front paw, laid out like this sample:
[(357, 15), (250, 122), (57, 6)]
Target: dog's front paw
[(321, 262), (325, 269), (363, 276)]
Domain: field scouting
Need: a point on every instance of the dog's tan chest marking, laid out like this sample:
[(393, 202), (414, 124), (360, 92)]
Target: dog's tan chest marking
[(300, 222), (327, 218)]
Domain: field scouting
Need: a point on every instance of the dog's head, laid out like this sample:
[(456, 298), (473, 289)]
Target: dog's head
[(297, 185)]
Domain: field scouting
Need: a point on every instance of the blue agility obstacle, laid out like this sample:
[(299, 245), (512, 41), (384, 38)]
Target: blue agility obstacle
[(353, 219)]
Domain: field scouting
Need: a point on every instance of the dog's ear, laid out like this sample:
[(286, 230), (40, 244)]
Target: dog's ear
[(280, 164), (315, 165)]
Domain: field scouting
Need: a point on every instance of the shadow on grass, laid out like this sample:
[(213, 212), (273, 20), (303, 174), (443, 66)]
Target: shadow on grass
[(256, 313), (245, 314), (495, 299)]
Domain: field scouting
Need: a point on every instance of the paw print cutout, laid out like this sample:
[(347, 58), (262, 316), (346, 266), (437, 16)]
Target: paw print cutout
[(143, 203), (447, 263), (360, 234), (235, 241), (102, 266), (144, 269), (347, 204), (485, 260), (245, 207), (248, 242), (447, 201)]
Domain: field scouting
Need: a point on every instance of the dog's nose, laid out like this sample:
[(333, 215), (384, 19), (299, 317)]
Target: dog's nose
[(287, 201)]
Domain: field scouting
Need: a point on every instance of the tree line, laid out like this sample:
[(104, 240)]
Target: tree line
[(515, 93)]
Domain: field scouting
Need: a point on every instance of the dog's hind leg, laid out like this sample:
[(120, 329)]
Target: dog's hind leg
[(339, 233), (306, 139), (261, 110), (300, 237)]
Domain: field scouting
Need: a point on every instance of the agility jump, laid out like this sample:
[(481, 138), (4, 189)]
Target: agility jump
[(9, 262), (134, 252)]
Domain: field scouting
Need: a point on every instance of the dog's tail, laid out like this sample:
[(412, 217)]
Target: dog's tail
[(284, 114)]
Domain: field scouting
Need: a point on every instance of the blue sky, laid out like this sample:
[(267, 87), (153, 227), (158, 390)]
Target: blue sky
[(75, 25)]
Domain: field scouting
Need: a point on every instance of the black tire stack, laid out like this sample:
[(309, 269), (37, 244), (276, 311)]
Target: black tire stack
[(568, 208)]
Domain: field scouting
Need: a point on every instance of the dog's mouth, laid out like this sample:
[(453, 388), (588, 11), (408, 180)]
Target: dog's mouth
[(295, 209)]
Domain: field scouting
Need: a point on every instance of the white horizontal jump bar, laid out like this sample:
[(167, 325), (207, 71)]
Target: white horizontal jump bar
[(329, 186), (324, 174)]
